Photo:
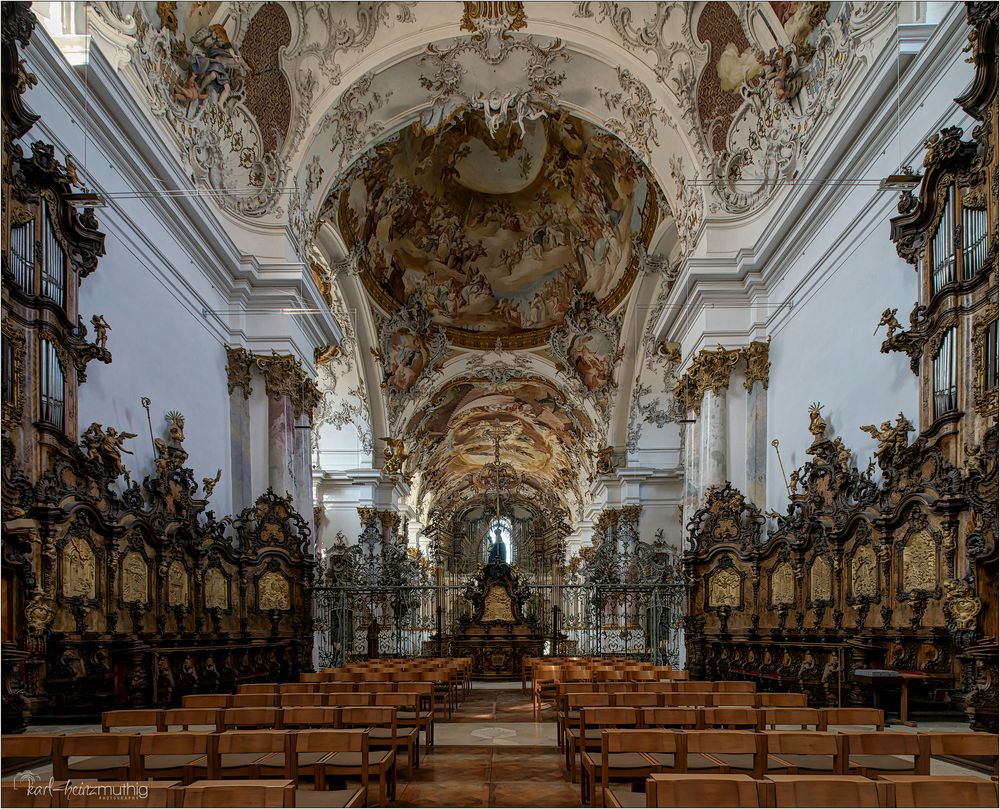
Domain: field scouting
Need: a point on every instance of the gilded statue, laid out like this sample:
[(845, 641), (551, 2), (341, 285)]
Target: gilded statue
[(102, 328), (911, 342), (106, 447), (605, 461), (175, 428), (395, 456), (785, 80), (817, 424), (892, 440), (209, 484)]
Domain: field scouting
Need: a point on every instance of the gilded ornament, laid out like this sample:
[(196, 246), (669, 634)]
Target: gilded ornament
[(962, 604), (394, 455), (817, 424), (497, 606), (724, 588), (39, 613), (135, 579), (758, 363), (216, 589), (285, 376), (892, 440), (604, 461), (177, 585), (272, 592), (239, 370), (105, 447), (79, 569)]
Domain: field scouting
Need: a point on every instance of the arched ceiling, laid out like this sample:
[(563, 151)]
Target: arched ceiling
[(482, 183)]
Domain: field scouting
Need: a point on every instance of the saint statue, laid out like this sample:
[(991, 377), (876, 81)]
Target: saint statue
[(498, 552)]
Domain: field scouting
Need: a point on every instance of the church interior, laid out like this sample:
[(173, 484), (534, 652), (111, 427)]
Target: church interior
[(548, 404)]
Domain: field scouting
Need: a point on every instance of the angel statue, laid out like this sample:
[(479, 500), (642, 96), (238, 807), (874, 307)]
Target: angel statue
[(102, 328), (209, 484), (106, 446), (395, 456)]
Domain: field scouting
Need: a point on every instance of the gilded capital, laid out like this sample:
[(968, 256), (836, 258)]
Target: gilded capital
[(285, 376), (758, 363), (709, 370), (239, 368)]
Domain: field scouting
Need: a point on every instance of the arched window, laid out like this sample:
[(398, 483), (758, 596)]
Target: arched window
[(498, 543)]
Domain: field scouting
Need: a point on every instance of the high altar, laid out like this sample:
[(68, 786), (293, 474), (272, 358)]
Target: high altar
[(497, 636)]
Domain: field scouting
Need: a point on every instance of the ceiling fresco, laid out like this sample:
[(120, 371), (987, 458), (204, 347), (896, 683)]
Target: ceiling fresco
[(497, 231)]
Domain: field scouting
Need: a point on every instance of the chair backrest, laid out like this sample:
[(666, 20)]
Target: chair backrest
[(117, 793), (15, 793), (635, 699), (587, 700), (656, 687), (372, 716), (143, 718), (258, 688), (723, 741), (803, 717), (350, 698), (312, 677), (742, 698), (253, 700), (641, 741), (608, 718), (783, 700), (940, 790), (890, 744), (97, 744), (694, 699), (309, 717), (399, 700), (964, 745), (252, 741), (695, 685), (173, 744), (736, 686), (332, 741), (338, 687), (735, 718), (854, 716), (382, 687), (250, 718), (301, 700), (297, 688), (240, 794), (814, 790), (704, 790), (680, 718), (192, 717), (807, 743), (28, 745), (206, 700)]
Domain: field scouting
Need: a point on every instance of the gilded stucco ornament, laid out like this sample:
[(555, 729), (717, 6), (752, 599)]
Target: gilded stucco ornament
[(709, 370), (39, 612), (962, 604), (893, 440), (758, 363), (393, 457), (239, 370), (284, 375), (910, 341), (639, 113)]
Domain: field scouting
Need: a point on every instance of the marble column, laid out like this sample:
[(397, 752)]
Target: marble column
[(714, 439), (758, 367), (692, 469), (238, 371), (281, 446)]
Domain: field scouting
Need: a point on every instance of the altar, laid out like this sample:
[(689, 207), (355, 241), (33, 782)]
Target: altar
[(498, 635)]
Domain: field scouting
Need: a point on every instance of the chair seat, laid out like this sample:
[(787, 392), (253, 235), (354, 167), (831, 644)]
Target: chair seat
[(696, 761), (97, 763), (623, 796), (346, 759), (736, 761), (329, 797), (811, 763), (168, 762), (663, 759), (894, 763), (276, 761), (621, 761), (230, 761)]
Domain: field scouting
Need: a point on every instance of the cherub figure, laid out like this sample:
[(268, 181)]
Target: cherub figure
[(102, 328), (210, 483)]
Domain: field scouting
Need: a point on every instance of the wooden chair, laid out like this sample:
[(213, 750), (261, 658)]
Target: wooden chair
[(587, 733), (95, 756), (15, 793), (27, 748), (732, 718), (144, 718), (782, 701), (298, 688), (871, 754), (853, 716), (301, 700), (673, 718), (384, 731), (734, 699), (698, 686), (206, 700), (984, 747), (726, 751), (569, 710), (688, 699), (344, 699), (250, 718), (824, 790), (311, 747), (311, 677), (172, 756), (337, 687), (736, 686), (635, 699), (621, 759), (193, 718), (805, 753), (687, 789), (425, 694), (940, 790), (543, 686), (267, 700), (382, 687), (258, 688), (152, 793), (656, 687), (240, 753), (363, 763), (260, 793), (309, 717), (805, 718), (410, 714)]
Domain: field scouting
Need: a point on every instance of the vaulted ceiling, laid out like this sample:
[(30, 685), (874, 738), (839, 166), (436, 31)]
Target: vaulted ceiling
[(500, 190)]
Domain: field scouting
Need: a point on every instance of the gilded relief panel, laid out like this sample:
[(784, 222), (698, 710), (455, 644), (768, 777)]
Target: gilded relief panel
[(177, 585), (919, 564), (820, 580), (782, 585), (724, 588), (272, 592), (497, 606), (79, 569), (216, 589), (864, 573), (134, 579)]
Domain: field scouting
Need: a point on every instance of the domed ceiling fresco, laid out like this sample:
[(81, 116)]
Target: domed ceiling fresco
[(496, 231)]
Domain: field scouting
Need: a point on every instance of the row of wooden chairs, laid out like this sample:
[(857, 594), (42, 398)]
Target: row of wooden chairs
[(627, 754), (793, 791), (246, 793), (321, 754), (270, 699), (548, 685)]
